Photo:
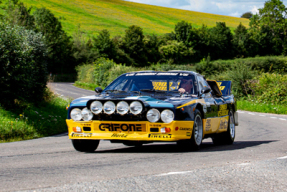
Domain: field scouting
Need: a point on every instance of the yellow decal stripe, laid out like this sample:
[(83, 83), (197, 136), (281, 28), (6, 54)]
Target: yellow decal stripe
[(192, 102)]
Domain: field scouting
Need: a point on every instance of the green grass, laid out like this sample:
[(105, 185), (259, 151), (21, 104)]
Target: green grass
[(88, 86), (261, 107), (117, 15), (33, 122)]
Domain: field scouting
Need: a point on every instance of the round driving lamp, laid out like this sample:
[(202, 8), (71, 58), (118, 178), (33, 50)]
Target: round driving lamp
[(153, 115), (122, 107), (109, 107), (96, 107), (136, 107), (167, 116), (76, 114), (87, 115)]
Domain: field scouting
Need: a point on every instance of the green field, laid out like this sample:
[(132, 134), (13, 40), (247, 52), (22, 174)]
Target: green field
[(116, 15)]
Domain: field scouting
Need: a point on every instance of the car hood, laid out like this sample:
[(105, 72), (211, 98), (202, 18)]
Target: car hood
[(171, 102)]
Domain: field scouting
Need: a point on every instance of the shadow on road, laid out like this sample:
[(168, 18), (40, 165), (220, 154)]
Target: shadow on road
[(173, 148)]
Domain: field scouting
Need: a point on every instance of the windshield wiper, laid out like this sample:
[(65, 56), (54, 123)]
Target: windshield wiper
[(152, 90), (115, 90)]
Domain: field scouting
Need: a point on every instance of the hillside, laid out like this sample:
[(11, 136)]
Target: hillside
[(117, 15)]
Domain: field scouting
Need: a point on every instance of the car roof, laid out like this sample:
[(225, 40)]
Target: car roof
[(173, 71)]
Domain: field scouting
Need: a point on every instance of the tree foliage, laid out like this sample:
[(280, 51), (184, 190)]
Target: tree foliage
[(133, 45), (59, 44), (247, 15), (23, 64)]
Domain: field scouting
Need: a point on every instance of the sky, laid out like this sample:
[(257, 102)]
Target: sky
[(220, 7)]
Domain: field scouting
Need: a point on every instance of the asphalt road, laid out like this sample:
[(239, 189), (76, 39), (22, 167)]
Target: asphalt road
[(257, 161)]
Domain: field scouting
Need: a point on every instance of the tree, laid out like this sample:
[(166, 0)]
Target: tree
[(185, 33), (59, 44), (272, 16), (23, 69), (219, 42), (247, 15), (18, 14), (241, 41), (104, 45), (152, 44), (133, 44)]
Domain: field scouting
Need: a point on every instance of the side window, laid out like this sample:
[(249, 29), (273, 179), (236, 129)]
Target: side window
[(202, 83)]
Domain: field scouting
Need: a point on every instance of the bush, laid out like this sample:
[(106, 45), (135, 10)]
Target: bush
[(22, 63), (270, 88)]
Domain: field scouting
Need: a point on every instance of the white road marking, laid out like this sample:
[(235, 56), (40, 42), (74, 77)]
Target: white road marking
[(273, 117), (251, 113), (174, 173), (285, 157), (244, 164), (282, 119), (262, 115)]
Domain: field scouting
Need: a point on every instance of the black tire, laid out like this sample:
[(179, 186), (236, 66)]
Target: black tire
[(84, 145), (226, 138), (197, 134)]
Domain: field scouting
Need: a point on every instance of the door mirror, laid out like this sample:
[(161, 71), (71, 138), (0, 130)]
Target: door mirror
[(205, 90), (98, 90)]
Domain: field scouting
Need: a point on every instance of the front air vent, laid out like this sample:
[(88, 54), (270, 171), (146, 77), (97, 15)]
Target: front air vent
[(87, 128), (153, 129)]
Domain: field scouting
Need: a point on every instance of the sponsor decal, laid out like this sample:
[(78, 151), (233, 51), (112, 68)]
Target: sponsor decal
[(81, 135), (130, 74), (86, 125), (183, 74), (188, 133), (223, 124), (223, 111), (141, 74), (155, 125), (221, 87), (119, 135), (208, 125), (167, 74), (159, 136), (184, 129), (121, 127)]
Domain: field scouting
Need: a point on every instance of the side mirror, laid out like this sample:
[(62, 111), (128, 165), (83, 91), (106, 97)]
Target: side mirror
[(98, 90), (205, 90)]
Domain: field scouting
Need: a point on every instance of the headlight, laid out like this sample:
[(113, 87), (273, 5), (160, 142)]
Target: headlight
[(153, 115), (87, 114), (76, 114), (136, 107), (167, 116), (123, 107), (96, 107), (109, 107)]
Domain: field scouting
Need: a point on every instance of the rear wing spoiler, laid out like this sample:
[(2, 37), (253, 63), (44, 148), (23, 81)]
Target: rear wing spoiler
[(220, 88), (225, 87)]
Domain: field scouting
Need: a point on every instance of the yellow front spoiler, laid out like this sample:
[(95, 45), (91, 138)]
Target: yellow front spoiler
[(130, 130)]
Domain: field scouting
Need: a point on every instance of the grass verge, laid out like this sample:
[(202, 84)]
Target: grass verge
[(46, 119), (88, 86), (261, 107)]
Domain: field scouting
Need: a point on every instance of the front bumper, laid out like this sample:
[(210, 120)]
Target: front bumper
[(129, 131)]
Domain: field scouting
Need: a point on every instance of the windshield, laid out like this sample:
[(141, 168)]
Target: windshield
[(154, 81)]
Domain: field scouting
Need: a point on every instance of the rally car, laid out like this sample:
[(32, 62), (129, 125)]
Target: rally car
[(152, 106)]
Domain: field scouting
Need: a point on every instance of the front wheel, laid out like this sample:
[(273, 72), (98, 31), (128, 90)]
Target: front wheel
[(84, 145), (197, 134), (226, 138)]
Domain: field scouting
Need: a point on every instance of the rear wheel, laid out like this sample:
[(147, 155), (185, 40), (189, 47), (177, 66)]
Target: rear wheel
[(84, 145), (226, 138)]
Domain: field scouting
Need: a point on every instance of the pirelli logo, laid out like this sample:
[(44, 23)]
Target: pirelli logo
[(122, 127)]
